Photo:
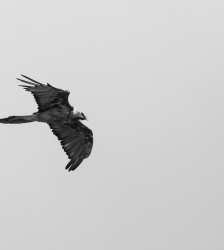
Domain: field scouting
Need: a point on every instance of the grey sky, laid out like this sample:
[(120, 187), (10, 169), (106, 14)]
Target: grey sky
[(149, 75)]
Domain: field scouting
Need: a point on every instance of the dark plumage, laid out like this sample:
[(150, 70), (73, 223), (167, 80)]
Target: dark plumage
[(54, 109)]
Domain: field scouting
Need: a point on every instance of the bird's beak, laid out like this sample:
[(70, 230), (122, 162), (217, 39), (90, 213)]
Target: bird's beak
[(82, 116)]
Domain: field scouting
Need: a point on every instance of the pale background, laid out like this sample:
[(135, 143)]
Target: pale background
[(149, 75)]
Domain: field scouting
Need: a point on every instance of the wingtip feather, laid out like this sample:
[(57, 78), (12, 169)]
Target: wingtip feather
[(31, 79)]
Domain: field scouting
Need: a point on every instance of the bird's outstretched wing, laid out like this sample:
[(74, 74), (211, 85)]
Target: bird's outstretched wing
[(76, 140), (46, 96)]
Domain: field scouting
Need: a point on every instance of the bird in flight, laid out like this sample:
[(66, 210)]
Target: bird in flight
[(55, 110)]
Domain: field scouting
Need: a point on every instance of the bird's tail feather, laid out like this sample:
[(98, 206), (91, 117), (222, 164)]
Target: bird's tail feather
[(18, 119)]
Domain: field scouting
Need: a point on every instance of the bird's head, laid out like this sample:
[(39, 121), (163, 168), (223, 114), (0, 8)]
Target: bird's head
[(79, 115), (82, 116)]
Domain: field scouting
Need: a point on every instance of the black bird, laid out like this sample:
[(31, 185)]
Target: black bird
[(55, 110)]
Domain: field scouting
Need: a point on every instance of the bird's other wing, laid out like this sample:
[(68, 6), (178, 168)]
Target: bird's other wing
[(76, 140), (46, 96)]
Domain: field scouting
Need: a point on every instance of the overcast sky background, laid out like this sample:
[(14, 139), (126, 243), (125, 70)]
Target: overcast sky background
[(149, 75)]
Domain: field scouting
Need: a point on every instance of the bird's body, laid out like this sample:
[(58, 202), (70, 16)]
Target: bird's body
[(55, 115), (55, 110)]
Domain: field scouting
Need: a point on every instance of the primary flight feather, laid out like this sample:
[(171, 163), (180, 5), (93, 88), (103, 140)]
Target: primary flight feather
[(55, 110)]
